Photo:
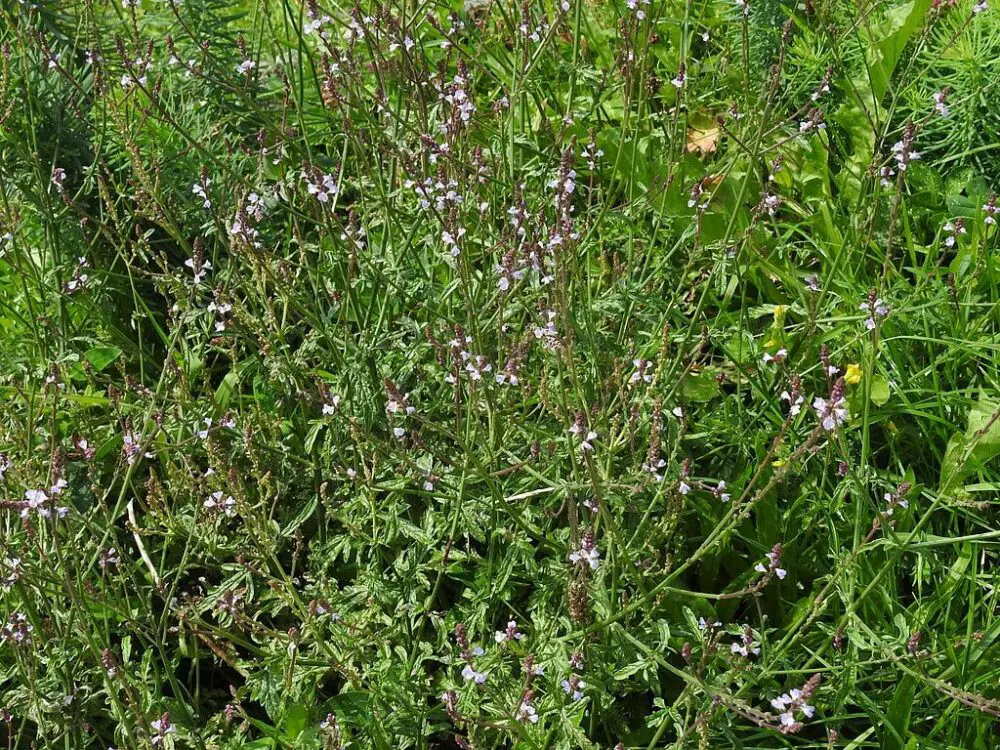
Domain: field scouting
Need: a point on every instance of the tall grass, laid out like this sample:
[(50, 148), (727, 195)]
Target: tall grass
[(484, 375)]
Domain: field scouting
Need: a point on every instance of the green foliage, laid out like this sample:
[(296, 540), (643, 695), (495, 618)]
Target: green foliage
[(487, 375)]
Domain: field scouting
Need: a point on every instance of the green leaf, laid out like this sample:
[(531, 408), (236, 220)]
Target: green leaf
[(627, 671), (740, 348), (102, 356), (86, 400), (352, 706), (224, 393), (302, 516), (969, 452), (880, 390), (296, 720), (700, 387), (901, 23), (898, 715), (313, 434)]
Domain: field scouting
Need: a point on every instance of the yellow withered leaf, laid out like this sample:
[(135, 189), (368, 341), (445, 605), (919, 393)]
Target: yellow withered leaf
[(702, 140)]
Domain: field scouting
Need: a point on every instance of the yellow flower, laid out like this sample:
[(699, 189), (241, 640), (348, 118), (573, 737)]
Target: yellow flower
[(853, 374)]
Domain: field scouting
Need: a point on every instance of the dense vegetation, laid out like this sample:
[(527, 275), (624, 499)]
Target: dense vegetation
[(571, 374)]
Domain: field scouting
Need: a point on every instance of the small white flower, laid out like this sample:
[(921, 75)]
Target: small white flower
[(794, 407), (574, 686), (35, 501), (831, 414), (330, 407), (591, 557), (526, 712), (744, 649), (200, 190), (162, 727), (510, 634), (471, 675), (939, 103), (216, 502)]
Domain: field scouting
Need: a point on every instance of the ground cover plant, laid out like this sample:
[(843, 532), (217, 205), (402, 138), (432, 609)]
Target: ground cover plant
[(571, 374)]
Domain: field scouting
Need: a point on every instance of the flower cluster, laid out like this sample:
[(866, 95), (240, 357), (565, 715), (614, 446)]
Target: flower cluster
[(832, 411), (509, 634), (17, 630), (12, 574), (468, 654), (587, 553), (587, 436), (574, 687), (162, 728), (39, 502), (201, 190), (79, 279), (992, 209), (526, 710), (199, 264), (321, 185), (219, 502), (939, 103), (794, 707), (875, 308), (952, 232), (896, 499), (747, 645), (902, 150), (772, 564)]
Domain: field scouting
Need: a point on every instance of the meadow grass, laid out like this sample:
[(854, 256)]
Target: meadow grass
[(479, 375)]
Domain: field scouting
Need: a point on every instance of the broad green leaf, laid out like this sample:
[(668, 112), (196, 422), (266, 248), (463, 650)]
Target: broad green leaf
[(880, 390), (967, 453), (891, 37), (102, 356), (295, 720), (700, 387)]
